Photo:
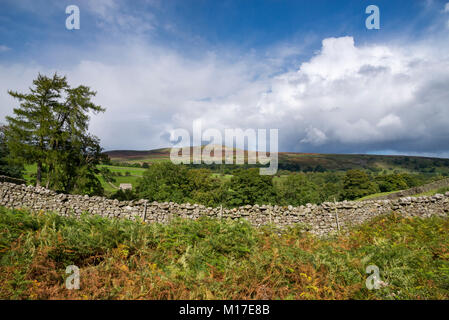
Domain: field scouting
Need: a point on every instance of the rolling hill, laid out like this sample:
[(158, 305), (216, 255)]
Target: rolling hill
[(310, 161)]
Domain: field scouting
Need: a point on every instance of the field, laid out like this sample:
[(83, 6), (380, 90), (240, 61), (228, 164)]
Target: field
[(375, 195), (134, 175), (211, 259)]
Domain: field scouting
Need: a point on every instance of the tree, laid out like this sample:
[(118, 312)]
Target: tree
[(7, 165), (29, 130), (204, 188), (249, 187), (391, 182), (164, 181), (50, 128), (357, 184), (297, 190), (124, 195), (107, 175)]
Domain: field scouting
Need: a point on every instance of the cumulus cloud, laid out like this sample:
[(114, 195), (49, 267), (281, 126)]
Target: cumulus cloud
[(346, 98), (314, 136), (366, 97)]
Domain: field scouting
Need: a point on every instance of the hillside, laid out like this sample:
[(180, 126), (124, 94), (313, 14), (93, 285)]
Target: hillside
[(311, 161)]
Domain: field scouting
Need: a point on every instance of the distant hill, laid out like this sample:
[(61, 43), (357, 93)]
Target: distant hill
[(310, 161)]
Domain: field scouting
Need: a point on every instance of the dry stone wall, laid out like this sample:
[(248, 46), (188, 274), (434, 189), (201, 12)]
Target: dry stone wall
[(320, 219), (416, 190)]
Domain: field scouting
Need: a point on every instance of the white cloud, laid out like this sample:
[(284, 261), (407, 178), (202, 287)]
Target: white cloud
[(4, 48), (446, 7), (389, 120), (111, 15), (346, 98), (314, 136)]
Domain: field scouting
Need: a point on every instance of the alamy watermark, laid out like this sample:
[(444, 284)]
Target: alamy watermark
[(219, 148), (373, 20), (73, 280), (373, 281), (73, 20)]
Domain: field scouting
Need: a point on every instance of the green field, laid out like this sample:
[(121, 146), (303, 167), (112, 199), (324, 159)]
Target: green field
[(133, 171), (135, 174), (432, 192), (375, 195), (423, 194)]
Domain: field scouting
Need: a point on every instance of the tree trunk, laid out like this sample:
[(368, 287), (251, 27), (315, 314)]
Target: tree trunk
[(39, 174), (48, 177)]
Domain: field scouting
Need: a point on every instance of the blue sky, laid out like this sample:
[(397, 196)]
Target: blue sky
[(195, 25), (309, 68)]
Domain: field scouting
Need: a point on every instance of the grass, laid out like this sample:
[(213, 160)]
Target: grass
[(432, 192), (375, 195), (30, 170), (225, 177), (135, 174), (423, 194), (133, 171), (118, 180), (211, 259)]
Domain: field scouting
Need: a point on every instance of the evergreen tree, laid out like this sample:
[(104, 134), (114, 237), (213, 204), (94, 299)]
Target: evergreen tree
[(50, 128), (29, 131), (7, 165)]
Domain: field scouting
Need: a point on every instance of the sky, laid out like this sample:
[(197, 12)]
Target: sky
[(310, 69)]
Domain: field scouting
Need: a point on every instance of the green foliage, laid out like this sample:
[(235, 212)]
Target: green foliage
[(249, 187), (205, 188), (297, 190), (392, 182), (124, 195), (357, 184), (213, 259), (8, 166), (107, 174), (164, 181), (49, 128)]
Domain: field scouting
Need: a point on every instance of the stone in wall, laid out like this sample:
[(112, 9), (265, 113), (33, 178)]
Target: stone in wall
[(321, 219)]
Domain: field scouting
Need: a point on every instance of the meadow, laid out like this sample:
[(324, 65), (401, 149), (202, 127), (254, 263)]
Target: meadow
[(212, 259), (127, 175), (133, 177)]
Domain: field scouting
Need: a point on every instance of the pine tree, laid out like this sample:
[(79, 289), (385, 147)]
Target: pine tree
[(29, 130), (50, 128), (8, 167)]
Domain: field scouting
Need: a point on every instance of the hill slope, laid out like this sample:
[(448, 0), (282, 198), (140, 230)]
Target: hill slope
[(311, 161)]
